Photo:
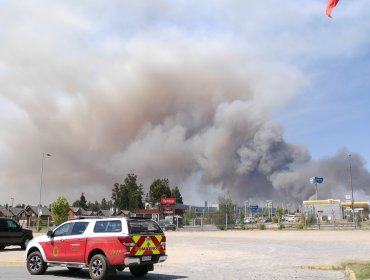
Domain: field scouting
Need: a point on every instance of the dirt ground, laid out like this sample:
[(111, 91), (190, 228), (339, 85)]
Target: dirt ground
[(255, 254)]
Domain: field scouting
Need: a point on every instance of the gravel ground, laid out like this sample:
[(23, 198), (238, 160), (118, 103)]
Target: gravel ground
[(248, 254)]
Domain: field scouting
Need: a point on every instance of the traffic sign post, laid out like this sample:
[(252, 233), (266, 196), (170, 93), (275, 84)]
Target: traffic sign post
[(315, 181)]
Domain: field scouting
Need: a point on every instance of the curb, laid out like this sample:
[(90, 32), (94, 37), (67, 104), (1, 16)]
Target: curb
[(350, 274)]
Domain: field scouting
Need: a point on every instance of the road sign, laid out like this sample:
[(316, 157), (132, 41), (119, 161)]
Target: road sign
[(254, 208), (316, 180), (319, 180)]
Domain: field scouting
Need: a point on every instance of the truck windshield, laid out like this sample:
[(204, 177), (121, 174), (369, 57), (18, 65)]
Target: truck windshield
[(143, 227)]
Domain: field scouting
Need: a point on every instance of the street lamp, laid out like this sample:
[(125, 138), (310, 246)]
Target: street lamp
[(39, 206), (350, 183)]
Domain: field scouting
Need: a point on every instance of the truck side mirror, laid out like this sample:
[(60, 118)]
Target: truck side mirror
[(50, 233)]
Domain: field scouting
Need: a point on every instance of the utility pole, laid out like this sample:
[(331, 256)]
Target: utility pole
[(350, 183), (39, 206)]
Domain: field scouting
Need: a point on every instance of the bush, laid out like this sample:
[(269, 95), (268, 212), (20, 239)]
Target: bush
[(300, 226), (261, 226), (281, 226)]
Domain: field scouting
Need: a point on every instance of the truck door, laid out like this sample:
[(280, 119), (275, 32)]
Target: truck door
[(75, 244), (55, 246), (3, 231), (15, 234)]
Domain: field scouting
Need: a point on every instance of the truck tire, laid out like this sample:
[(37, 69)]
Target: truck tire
[(98, 267), (36, 264), (139, 271), (25, 242)]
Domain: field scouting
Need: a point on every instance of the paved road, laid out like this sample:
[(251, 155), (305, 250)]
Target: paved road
[(233, 255)]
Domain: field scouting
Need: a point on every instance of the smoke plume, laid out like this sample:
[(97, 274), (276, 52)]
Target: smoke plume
[(196, 112)]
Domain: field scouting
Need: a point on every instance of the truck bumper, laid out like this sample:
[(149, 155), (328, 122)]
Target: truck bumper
[(129, 261)]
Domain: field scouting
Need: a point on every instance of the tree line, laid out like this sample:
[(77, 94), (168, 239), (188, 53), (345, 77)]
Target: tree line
[(129, 195)]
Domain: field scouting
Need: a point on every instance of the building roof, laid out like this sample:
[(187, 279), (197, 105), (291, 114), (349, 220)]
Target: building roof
[(327, 201), (16, 210), (83, 212), (5, 212), (148, 211), (105, 213), (195, 208), (44, 210)]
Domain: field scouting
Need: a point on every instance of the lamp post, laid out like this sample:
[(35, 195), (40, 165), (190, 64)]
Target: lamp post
[(39, 206), (350, 183), (245, 209)]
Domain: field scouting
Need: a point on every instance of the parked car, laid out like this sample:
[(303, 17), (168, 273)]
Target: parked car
[(265, 220), (249, 220), (290, 218), (11, 233), (166, 225)]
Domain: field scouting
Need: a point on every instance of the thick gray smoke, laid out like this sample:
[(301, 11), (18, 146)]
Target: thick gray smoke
[(196, 112)]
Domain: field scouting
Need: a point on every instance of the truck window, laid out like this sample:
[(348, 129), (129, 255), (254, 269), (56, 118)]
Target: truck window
[(63, 230), (108, 226), (12, 224), (79, 228), (3, 224), (143, 227)]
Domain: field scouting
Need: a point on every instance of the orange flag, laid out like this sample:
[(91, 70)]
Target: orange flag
[(330, 6)]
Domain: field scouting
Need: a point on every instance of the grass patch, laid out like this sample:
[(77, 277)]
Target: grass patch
[(361, 269)]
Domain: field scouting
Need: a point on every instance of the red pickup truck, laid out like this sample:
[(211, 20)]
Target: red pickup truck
[(101, 245)]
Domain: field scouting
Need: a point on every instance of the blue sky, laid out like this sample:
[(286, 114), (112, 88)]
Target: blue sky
[(247, 97)]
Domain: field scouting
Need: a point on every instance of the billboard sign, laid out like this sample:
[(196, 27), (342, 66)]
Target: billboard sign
[(254, 208), (165, 201)]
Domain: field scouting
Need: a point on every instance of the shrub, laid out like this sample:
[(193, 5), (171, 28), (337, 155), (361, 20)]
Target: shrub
[(300, 226), (261, 226)]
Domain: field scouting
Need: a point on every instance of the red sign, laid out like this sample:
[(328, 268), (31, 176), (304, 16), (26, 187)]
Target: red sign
[(168, 201)]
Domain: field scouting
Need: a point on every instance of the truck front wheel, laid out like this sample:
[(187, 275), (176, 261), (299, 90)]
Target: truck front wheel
[(98, 267), (36, 264)]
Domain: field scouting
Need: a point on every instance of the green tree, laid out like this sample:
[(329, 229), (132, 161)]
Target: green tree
[(176, 194), (59, 210), (95, 206), (279, 213), (226, 210), (83, 202), (242, 217), (266, 212), (104, 204), (159, 189), (129, 195), (76, 203)]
